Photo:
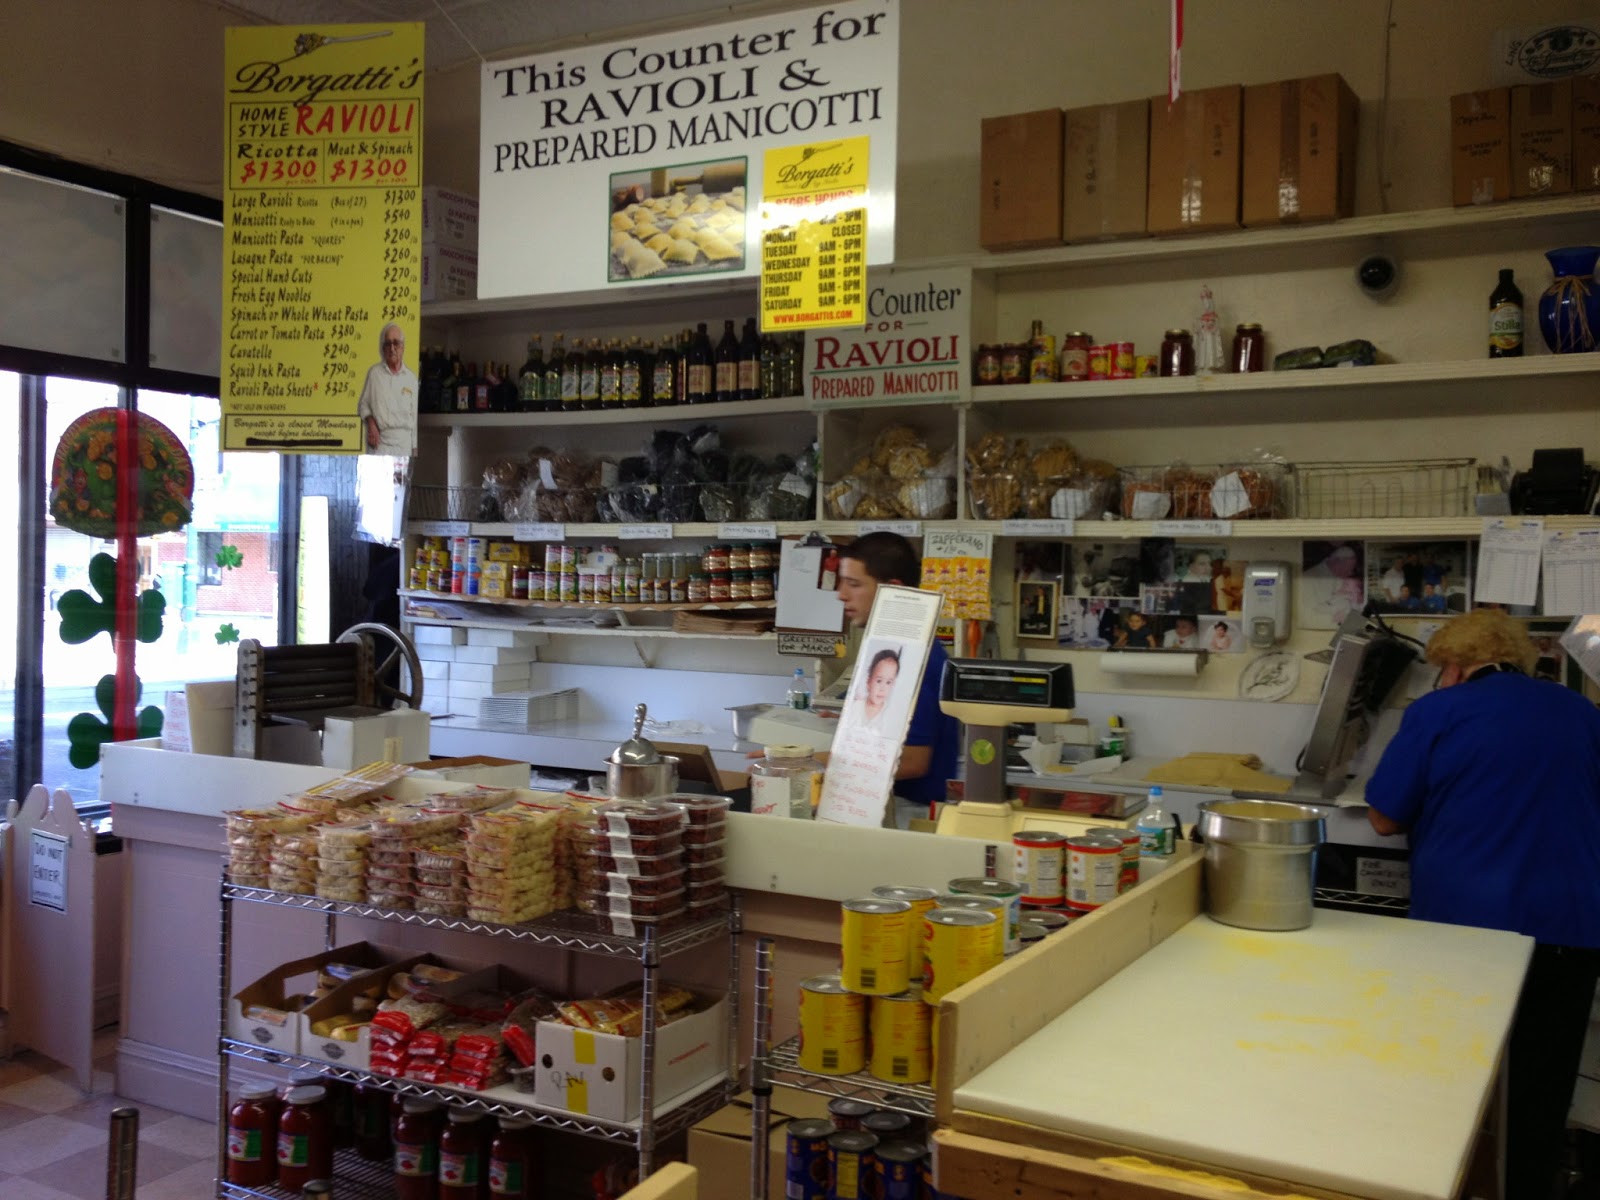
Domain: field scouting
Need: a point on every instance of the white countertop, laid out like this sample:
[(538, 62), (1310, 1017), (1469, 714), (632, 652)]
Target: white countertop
[(576, 745), (1354, 1055), (1130, 777)]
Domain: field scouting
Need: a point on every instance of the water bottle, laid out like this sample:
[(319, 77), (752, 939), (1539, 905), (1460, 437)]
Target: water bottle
[(800, 689), (1157, 831)]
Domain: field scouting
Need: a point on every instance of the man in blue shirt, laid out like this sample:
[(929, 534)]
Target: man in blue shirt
[(1495, 779), (933, 742)]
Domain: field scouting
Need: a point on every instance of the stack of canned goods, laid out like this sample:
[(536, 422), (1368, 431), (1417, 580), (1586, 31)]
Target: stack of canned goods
[(1077, 874), (858, 1152)]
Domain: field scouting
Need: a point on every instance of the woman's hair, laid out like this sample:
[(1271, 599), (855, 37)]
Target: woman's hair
[(1484, 635), (884, 656)]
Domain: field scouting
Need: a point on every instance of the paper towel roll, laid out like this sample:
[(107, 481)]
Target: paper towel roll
[(1167, 664)]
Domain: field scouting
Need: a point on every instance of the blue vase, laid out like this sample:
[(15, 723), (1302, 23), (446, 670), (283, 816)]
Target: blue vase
[(1569, 310)]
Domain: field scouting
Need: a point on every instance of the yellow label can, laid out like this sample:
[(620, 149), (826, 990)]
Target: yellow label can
[(988, 904), (960, 946), (901, 1028), (922, 901), (872, 940), (833, 1027)]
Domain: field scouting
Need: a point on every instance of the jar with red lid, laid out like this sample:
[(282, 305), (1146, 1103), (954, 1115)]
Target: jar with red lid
[(253, 1137), (305, 1138), (512, 1164), (416, 1151), (463, 1156), (986, 370), (1075, 356), (1015, 359), (1249, 349), (715, 558), (372, 1122), (1177, 353)]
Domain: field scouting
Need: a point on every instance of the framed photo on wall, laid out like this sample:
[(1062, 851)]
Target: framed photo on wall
[(1038, 609)]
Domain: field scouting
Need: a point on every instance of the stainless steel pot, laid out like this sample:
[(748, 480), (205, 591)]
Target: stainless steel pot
[(1261, 858), (642, 781), (744, 716)]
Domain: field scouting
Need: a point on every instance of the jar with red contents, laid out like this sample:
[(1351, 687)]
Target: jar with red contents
[(1177, 353), (463, 1156), (305, 1138), (416, 1151), (372, 1122), (253, 1137), (512, 1163), (1075, 356), (1249, 349), (986, 370)]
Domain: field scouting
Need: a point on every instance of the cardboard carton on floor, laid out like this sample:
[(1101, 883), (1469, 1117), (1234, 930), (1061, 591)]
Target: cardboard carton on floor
[(1195, 149), (1299, 151), (1019, 202), (1541, 139), (719, 1146), (1480, 146), (1106, 173), (1586, 133)]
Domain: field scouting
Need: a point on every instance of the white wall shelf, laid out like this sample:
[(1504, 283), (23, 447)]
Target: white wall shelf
[(593, 529)]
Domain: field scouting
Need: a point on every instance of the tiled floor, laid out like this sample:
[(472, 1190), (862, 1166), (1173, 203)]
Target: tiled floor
[(53, 1137)]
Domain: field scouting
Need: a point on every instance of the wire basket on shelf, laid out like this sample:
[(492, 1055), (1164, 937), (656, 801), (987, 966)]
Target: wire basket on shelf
[(439, 502), (1228, 491), (1430, 487), (878, 496)]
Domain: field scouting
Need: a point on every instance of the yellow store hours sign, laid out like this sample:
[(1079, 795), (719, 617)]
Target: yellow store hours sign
[(813, 235), (322, 221)]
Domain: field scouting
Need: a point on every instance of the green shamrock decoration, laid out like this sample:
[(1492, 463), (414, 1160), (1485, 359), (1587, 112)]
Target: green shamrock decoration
[(230, 557), (86, 733), (228, 633), (82, 616)]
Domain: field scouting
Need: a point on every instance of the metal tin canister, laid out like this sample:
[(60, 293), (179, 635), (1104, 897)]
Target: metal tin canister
[(806, 1159), (1049, 921), (1100, 362), (983, 904), (847, 1113), (1128, 875), (1094, 863), (850, 1166), (901, 1050), (960, 947), (1122, 365), (922, 902), (873, 939), (1042, 359), (888, 1126), (927, 1191), (1146, 366), (1003, 890), (897, 1170), (833, 1027), (1038, 864)]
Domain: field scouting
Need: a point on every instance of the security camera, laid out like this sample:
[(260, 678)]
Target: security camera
[(1378, 276)]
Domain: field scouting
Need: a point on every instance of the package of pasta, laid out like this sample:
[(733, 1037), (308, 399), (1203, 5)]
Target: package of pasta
[(623, 1015)]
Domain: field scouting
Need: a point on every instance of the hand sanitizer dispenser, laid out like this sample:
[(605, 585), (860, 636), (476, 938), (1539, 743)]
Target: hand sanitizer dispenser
[(1266, 604)]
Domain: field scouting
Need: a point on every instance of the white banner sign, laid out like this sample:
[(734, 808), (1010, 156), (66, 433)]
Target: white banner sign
[(914, 345), (47, 870), (638, 161)]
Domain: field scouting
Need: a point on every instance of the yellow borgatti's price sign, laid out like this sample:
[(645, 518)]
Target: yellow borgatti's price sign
[(322, 223), (814, 236)]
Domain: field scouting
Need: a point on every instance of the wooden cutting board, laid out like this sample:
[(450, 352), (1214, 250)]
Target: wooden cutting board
[(1355, 1055)]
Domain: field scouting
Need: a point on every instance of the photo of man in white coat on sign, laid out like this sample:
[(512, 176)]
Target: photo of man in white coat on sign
[(388, 404)]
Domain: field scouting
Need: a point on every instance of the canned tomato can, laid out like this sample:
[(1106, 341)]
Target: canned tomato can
[(927, 1191), (901, 1049), (806, 1159), (1048, 920), (1094, 864), (1146, 366), (1122, 365), (1038, 864), (552, 558), (1003, 890), (833, 1027), (847, 1113), (850, 1166), (888, 1126), (873, 939), (1099, 362), (960, 947), (983, 904), (897, 1169), (1128, 873), (921, 900)]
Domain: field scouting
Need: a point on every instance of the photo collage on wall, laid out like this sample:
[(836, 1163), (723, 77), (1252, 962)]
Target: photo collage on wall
[(1146, 594)]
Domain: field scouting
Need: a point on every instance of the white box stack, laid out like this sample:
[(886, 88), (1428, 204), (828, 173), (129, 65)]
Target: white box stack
[(530, 708), (449, 245)]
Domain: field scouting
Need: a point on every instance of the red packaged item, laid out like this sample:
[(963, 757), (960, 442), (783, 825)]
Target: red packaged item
[(480, 1045), (429, 1073), (520, 1042), (392, 1020)]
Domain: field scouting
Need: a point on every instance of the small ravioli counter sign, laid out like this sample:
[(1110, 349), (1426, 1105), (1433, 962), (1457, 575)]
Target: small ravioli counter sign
[(322, 227), (912, 347)]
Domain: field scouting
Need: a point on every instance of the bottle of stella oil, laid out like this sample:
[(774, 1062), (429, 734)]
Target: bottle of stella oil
[(1505, 318)]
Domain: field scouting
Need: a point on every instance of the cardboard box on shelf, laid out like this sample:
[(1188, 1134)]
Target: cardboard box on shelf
[(1106, 173), (1541, 139), (1480, 146), (1195, 152), (449, 219), (273, 991), (449, 273), (597, 1074), (719, 1146), (1586, 133), (1299, 151), (479, 768), (1019, 204), (357, 1053)]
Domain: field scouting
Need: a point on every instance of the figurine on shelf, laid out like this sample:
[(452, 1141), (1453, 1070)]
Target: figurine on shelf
[(1208, 336)]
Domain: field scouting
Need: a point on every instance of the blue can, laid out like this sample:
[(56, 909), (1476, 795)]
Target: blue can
[(897, 1168), (806, 1160), (850, 1166)]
